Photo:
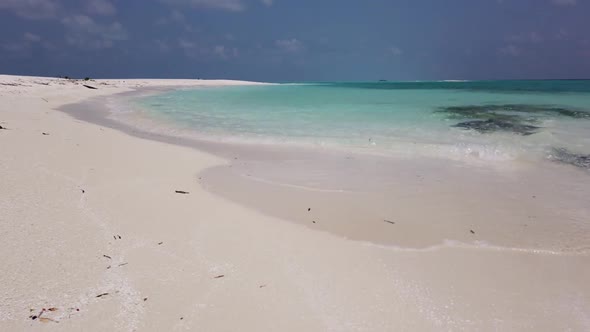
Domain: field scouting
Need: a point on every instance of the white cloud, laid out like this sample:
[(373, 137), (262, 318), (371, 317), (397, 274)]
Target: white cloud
[(535, 37), (395, 51), (196, 50), (84, 32), (31, 37), (176, 17), (186, 44), (220, 51), (24, 46), (562, 34), (225, 52), (289, 45), (191, 48), (267, 2), (510, 50), (101, 7), (162, 45), (555, 2), (565, 2), (230, 5), (15, 47), (531, 37), (31, 9)]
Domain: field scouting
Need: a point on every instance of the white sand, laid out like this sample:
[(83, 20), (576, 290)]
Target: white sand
[(277, 276)]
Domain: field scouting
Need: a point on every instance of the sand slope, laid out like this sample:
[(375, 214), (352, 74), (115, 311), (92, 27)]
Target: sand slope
[(66, 197)]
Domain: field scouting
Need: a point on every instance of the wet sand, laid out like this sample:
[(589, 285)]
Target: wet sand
[(239, 252)]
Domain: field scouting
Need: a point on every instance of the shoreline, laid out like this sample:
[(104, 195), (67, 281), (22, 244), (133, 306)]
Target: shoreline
[(190, 261), (272, 179)]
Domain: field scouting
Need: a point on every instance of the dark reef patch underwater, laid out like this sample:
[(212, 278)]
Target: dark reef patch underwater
[(515, 118), (493, 125), (564, 156)]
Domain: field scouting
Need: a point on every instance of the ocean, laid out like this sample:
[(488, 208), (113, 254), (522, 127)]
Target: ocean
[(489, 121), (507, 159)]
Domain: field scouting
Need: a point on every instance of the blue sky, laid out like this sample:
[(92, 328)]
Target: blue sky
[(297, 40)]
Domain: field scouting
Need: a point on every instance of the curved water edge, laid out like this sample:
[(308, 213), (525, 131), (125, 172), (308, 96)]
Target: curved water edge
[(283, 173), (484, 246), (469, 121)]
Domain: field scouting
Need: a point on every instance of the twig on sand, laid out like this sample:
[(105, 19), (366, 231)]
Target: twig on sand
[(471, 231), (389, 221), (219, 276), (44, 319), (33, 317), (182, 192), (103, 294), (89, 87)]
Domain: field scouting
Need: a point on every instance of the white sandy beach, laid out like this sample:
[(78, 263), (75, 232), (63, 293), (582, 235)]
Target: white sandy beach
[(86, 210)]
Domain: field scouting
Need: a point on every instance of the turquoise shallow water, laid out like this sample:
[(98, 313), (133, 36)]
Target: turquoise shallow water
[(489, 120)]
